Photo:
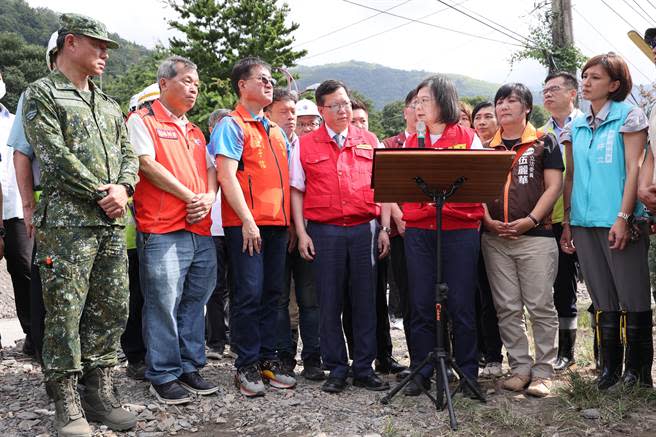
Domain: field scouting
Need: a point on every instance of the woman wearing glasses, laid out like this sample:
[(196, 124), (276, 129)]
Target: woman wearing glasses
[(603, 218), (437, 106)]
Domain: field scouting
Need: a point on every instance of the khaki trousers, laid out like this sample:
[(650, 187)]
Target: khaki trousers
[(521, 273)]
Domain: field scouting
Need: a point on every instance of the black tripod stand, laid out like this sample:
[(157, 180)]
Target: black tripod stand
[(439, 357)]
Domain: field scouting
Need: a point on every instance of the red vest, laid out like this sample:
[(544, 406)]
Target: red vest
[(454, 215), (338, 181), (263, 173), (184, 155)]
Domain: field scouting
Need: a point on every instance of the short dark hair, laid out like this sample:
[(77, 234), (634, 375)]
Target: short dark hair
[(242, 70), (281, 95), (480, 106), (568, 78), (617, 69), (445, 96), (518, 89), (410, 97), (328, 87), (216, 116), (358, 104)]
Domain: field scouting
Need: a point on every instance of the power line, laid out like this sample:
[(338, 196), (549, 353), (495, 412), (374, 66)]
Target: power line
[(651, 4), (350, 25), (374, 35), (643, 10), (433, 25), (483, 22), (495, 23), (636, 11), (609, 43), (621, 17)]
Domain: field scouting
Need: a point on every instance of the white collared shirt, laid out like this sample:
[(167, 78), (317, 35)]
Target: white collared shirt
[(12, 205)]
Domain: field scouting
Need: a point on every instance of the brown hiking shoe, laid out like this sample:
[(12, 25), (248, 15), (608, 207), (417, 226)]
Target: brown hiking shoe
[(69, 417), (539, 387), (516, 382), (100, 401)]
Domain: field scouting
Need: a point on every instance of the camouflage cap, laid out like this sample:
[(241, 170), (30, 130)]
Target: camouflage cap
[(83, 25)]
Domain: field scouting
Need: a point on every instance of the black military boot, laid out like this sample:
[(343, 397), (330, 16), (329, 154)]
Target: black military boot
[(69, 417), (566, 341), (610, 349), (100, 401), (639, 349)]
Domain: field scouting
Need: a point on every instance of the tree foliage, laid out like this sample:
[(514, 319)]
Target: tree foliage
[(542, 47), (21, 64), (220, 32), (392, 118)]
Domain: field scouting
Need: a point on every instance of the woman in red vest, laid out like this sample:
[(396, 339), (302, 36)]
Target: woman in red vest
[(437, 106)]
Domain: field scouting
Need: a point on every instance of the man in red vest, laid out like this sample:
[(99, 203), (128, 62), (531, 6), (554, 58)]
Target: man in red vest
[(172, 200), (251, 158), (331, 189)]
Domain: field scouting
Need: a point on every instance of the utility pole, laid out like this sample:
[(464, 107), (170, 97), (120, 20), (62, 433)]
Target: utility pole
[(561, 28)]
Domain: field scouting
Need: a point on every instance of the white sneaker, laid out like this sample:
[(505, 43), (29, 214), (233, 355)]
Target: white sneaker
[(492, 370)]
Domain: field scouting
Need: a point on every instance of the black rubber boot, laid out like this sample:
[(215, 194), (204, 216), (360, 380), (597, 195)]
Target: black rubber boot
[(566, 342), (610, 349), (639, 349), (595, 341)]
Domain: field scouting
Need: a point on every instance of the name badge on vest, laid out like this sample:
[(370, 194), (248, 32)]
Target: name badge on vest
[(364, 146), (167, 134)]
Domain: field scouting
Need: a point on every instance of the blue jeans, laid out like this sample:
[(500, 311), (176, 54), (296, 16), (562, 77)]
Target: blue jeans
[(346, 252), (178, 274), (460, 263), (259, 281), (308, 308)]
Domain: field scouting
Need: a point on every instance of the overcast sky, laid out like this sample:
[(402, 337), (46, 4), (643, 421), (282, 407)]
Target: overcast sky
[(338, 30)]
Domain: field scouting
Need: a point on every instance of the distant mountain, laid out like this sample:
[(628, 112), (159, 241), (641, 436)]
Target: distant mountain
[(382, 84)]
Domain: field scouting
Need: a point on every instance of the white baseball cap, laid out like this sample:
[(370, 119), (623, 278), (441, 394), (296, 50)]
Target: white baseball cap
[(306, 107), (150, 93), (52, 49)]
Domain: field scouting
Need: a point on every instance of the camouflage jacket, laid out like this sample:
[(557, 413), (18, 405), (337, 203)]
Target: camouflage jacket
[(81, 141)]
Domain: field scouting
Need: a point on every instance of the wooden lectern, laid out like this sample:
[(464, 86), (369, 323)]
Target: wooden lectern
[(432, 175)]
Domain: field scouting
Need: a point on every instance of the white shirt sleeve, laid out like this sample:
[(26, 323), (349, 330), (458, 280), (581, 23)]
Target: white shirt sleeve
[(208, 159), (296, 172), (140, 137), (476, 144)]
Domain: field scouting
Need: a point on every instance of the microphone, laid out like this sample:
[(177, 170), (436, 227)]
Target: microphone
[(421, 134)]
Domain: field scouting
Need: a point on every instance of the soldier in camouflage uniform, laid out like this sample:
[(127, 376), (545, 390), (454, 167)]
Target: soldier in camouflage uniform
[(88, 171)]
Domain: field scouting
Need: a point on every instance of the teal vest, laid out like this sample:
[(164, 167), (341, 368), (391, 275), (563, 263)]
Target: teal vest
[(599, 170)]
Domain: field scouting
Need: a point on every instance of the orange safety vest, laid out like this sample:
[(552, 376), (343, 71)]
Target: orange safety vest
[(263, 173), (455, 215), (184, 155), (338, 180)]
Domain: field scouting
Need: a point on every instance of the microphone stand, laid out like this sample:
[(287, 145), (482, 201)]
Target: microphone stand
[(439, 357)]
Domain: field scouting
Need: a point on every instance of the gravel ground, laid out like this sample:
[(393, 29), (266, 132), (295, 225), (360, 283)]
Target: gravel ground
[(25, 410), (7, 307)]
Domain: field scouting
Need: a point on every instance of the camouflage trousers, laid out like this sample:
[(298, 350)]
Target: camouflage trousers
[(85, 294)]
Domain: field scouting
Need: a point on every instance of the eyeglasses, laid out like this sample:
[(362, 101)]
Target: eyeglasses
[(551, 90), (312, 125), (265, 80), (336, 107), (421, 102)]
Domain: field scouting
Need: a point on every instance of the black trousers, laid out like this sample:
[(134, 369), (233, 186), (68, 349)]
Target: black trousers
[(565, 283), (132, 338), (400, 273), (217, 315), (18, 252), (383, 336), (488, 324)]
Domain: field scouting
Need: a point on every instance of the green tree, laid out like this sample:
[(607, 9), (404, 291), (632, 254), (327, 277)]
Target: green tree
[(541, 46), (539, 116), (220, 32), (475, 100), (21, 64), (392, 118)]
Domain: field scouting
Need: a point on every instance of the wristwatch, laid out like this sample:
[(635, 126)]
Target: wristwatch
[(386, 229), (128, 189), (624, 216), (2, 232)]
